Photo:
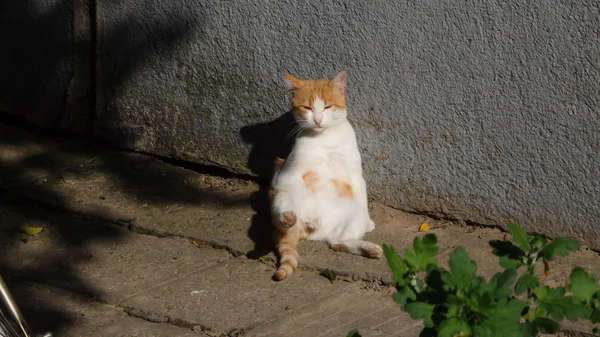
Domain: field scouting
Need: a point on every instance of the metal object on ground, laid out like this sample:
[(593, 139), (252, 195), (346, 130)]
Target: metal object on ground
[(13, 313), (11, 319)]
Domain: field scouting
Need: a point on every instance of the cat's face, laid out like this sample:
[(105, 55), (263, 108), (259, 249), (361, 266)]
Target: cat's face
[(318, 104)]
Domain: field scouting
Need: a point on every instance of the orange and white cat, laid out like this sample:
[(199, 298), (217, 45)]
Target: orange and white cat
[(318, 192)]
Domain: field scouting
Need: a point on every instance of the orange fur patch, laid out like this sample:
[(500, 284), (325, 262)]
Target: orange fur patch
[(311, 180), (287, 249), (343, 188)]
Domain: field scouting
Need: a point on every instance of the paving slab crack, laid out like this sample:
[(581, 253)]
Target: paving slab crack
[(159, 318), (185, 324), (162, 234)]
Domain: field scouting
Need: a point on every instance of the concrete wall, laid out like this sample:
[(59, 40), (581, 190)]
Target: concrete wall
[(46, 62), (482, 111), (36, 58)]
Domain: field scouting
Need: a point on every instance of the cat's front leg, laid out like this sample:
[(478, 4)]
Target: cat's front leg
[(283, 208), (292, 204)]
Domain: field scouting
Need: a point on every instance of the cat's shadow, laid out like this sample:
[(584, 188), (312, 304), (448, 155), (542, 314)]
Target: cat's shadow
[(269, 141)]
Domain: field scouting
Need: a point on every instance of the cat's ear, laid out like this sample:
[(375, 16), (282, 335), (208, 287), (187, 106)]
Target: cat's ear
[(339, 81), (292, 82)]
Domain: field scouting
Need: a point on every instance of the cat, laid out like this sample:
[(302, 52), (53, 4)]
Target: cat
[(318, 192)]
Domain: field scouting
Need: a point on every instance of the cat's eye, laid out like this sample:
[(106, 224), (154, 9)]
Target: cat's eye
[(328, 107), (307, 107)]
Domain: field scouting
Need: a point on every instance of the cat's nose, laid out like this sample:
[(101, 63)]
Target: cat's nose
[(318, 122)]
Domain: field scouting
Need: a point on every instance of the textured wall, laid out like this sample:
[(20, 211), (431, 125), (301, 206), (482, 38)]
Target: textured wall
[(480, 110), (36, 59)]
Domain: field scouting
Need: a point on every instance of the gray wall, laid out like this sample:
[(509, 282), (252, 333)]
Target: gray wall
[(36, 58), (482, 111)]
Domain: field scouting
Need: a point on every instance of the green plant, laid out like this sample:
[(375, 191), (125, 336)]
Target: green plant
[(457, 302), (353, 333)]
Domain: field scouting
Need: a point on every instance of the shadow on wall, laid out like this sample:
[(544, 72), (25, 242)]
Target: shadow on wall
[(129, 46), (269, 141), (36, 58), (139, 42)]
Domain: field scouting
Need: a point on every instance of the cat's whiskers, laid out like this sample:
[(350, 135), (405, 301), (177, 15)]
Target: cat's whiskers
[(292, 132), (300, 126)]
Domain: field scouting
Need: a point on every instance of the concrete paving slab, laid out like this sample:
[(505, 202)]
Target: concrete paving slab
[(105, 261), (372, 313), (161, 198), (27, 158), (68, 315), (236, 294)]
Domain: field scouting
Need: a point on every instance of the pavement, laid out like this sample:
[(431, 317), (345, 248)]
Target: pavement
[(133, 245)]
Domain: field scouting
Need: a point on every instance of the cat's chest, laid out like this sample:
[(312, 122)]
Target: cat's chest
[(336, 160), (339, 163)]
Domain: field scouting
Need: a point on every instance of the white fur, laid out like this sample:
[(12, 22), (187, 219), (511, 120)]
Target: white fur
[(318, 111), (330, 151)]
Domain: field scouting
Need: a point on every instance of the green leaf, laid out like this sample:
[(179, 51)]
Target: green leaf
[(482, 300), (556, 293), (423, 252), (396, 264), (454, 306), (526, 281), (329, 274), (420, 310), (582, 285), (435, 291), (462, 269), (511, 256), (502, 321), (508, 263), (595, 316), (546, 325), (454, 327), (560, 246), (541, 293), (538, 242), (511, 311), (519, 236), (353, 333), (403, 295), (536, 313), (501, 283), (560, 306), (529, 329)]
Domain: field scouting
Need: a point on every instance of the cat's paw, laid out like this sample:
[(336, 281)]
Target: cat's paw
[(373, 251), (287, 219), (312, 222), (370, 226), (310, 213)]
